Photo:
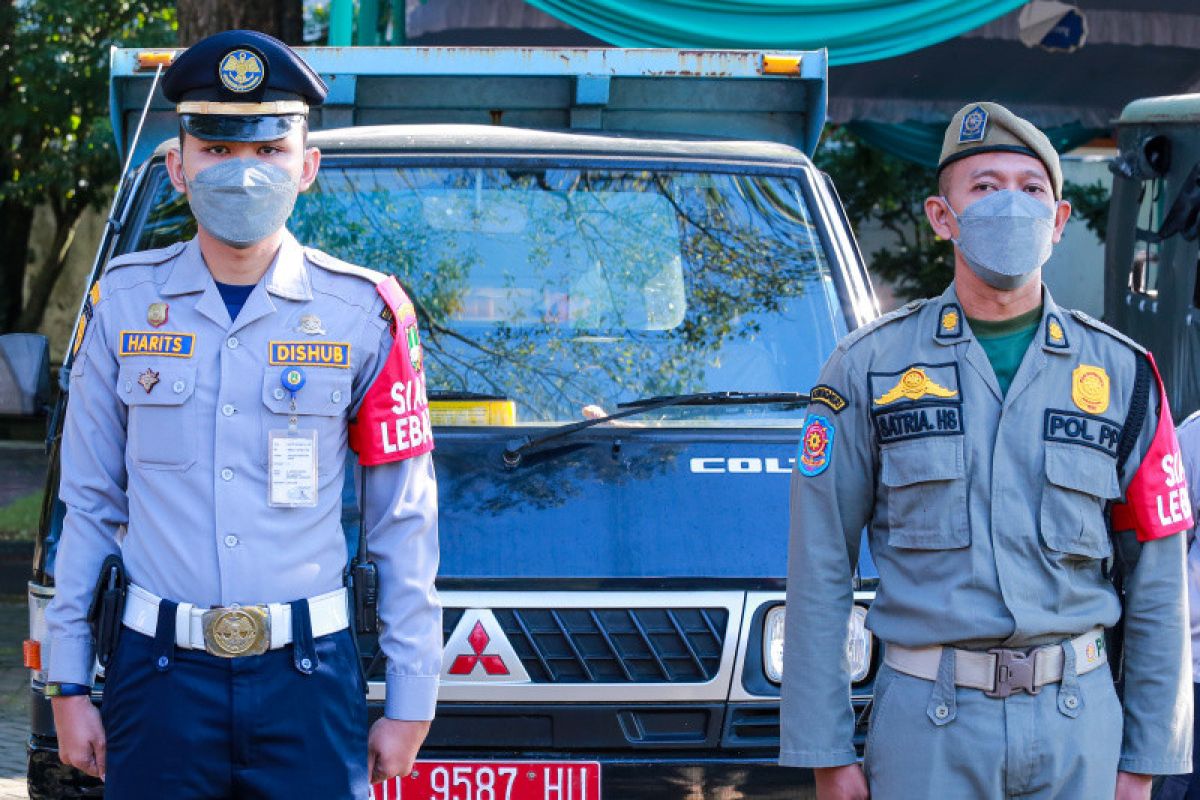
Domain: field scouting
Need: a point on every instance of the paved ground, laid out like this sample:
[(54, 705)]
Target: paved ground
[(14, 698)]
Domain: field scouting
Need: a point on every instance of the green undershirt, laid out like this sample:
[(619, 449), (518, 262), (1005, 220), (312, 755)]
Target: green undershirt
[(1005, 342)]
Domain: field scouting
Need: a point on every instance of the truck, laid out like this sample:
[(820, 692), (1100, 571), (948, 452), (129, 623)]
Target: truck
[(628, 274)]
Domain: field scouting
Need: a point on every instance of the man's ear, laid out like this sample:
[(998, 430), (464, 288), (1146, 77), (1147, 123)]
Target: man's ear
[(940, 218), (175, 169), (312, 164), (1062, 213)]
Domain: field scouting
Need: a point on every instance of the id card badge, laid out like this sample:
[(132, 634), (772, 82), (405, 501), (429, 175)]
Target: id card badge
[(292, 461), (292, 471)]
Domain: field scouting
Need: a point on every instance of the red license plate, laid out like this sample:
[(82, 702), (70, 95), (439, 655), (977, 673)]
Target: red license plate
[(495, 780)]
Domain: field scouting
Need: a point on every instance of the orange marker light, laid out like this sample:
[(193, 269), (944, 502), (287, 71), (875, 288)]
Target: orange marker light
[(781, 65), (32, 650), (150, 59)]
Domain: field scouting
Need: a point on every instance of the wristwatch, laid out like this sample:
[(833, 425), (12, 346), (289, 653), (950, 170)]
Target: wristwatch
[(66, 689)]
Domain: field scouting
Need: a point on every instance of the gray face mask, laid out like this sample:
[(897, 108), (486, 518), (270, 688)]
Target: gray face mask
[(241, 201), (1005, 237)]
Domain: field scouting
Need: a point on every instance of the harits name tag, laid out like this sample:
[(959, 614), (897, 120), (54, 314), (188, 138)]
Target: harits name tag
[(157, 343)]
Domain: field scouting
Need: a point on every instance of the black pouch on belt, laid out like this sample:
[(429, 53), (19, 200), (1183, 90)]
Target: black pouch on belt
[(108, 608)]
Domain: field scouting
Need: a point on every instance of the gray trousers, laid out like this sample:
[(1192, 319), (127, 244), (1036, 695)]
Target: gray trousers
[(930, 739)]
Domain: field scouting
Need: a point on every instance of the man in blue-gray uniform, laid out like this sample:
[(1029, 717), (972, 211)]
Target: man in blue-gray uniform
[(213, 395), (986, 438)]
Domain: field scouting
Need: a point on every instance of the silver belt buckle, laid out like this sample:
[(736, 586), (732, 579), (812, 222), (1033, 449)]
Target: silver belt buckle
[(237, 631)]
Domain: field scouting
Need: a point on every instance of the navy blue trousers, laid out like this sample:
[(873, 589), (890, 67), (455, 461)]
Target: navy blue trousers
[(208, 728)]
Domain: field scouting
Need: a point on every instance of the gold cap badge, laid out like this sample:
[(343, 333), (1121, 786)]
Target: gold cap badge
[(1089, 388), (913, 385), (156, 314)]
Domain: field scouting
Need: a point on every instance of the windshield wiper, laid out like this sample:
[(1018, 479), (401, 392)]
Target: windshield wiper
[(517, 448)]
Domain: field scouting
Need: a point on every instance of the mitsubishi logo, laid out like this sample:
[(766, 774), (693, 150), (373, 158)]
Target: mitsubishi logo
[(479, 652), (492, 663)]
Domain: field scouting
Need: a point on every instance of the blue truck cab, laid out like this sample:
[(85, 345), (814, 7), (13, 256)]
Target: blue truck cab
[(584, 233)]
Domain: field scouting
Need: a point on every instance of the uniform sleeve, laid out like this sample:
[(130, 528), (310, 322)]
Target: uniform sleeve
[(1158, 670), (400, 515), (831, 501), (92, 488)]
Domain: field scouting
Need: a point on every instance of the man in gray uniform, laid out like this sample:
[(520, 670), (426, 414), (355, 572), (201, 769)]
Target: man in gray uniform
[(213, 395), (982, 437)]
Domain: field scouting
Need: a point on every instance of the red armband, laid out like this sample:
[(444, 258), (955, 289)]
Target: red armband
[(1157, 503), (393, 419)]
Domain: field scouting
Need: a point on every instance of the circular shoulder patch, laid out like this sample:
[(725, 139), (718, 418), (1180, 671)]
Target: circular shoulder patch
[(241, 71)]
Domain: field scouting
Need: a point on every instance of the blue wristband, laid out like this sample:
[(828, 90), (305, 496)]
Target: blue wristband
[(67, 689)]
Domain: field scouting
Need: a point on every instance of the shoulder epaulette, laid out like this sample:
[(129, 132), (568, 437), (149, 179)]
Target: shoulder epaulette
[(1095, 324), (322, 259), (906, 310), (146, 258)]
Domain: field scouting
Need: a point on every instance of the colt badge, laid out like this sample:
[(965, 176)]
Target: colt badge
[(1089, 388), (148, 379), (913, 385), (311, 325), (156, 314), (236, 631), (415, 355)]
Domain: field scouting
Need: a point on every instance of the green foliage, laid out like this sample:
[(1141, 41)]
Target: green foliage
[(882, 190), (19, 519), (1089, 202)]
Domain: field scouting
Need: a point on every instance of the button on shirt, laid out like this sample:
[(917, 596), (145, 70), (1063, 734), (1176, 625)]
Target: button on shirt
[(166, 436), (986, 518)]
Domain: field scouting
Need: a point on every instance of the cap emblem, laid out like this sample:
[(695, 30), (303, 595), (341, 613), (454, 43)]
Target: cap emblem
[(241, 71), (974, 126)]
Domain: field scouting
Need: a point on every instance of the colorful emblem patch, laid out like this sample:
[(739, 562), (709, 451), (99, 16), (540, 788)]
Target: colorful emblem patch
[(415, 355), (156, 314), (827, 396), (154, 343), (974, 126), (914, 384), (816, 446), (241, 71), (309, 354), (1089, 388)]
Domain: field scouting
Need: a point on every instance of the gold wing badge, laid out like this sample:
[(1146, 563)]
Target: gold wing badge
[(913, 385)]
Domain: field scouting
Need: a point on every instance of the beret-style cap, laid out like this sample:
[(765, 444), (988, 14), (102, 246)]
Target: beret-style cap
[(991, 128), (241, 86)]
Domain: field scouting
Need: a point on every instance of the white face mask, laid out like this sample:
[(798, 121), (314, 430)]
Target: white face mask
[(241, 201), (1005, 237)]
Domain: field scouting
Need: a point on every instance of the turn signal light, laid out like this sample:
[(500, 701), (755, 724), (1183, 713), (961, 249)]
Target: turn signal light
[(781, 65), (32, 650), (151, 59)]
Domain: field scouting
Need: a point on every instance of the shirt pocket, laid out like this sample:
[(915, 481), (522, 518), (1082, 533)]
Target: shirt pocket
[(926, 490), (161, 431), (1079, 482), (320, 405)]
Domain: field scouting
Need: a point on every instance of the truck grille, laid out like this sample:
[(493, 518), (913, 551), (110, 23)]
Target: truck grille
[(616, 645)]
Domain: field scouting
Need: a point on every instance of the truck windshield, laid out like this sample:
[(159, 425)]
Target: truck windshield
[(571, 289)]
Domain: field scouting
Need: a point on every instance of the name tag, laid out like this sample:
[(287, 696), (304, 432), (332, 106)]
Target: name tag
[(915, 422), (156, 343), (309, 354), (1075, 428)]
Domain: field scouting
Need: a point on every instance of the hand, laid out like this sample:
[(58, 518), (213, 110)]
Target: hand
[(392, 747), (841, 783), (80, 734), (1132, 786)]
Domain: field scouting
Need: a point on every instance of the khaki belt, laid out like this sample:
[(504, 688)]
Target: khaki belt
[(235, 630), (1000, 672)]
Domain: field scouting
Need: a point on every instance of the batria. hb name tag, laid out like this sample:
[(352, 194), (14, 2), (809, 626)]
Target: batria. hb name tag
[(157, 343)]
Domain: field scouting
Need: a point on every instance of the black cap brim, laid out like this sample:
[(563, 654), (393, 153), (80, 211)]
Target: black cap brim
[(238, 128)]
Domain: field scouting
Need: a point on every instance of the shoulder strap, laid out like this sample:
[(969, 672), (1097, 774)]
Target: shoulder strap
[(1139, 404)]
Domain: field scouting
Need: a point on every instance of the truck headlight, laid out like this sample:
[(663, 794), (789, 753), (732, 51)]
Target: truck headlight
[(859, 644)]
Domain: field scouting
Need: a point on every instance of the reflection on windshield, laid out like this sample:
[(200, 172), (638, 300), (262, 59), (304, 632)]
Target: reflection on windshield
[(563, 289)]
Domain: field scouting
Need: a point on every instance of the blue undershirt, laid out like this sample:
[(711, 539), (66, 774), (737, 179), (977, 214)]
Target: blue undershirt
[(234, 296)]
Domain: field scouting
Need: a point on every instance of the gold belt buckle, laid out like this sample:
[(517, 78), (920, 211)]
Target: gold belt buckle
[(237, 631)]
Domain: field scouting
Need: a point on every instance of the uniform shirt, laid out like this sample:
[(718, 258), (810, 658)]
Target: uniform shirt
[(986, 518), (165, 447), (1189, 443)]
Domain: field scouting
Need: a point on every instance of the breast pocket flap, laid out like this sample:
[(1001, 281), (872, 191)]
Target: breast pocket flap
[(922, 461), (1081, 470), (156, 384), (326, 393)]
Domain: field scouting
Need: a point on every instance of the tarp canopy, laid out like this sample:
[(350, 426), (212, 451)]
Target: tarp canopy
[(853, 30)]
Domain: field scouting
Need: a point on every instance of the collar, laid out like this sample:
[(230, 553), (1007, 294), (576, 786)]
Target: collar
[(286, 277), (950, 324)]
